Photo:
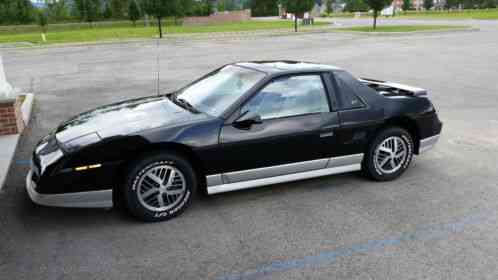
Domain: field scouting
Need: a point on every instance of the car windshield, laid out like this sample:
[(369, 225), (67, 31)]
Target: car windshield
[(214, 93)]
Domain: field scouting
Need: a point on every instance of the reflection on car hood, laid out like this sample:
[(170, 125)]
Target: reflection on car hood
[(126, 117)]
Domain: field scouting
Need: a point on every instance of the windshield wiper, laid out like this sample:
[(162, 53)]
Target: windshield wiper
[(184, 103)]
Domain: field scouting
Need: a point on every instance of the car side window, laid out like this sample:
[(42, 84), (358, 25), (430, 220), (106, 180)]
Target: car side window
[(289, 96), (347, 89)]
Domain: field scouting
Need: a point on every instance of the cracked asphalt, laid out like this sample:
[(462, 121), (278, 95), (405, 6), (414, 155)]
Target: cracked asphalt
[(438, 221)]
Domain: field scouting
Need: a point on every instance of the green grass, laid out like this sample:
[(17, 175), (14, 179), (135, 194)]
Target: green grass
[(400, 28), (464, 14), (70, 33), (491, 14), (341, 15)]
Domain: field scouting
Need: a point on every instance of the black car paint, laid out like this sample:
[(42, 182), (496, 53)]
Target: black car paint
[(130, 128)]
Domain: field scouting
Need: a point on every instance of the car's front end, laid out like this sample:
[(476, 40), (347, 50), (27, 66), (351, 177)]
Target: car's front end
[(78, 164), (55, 179)]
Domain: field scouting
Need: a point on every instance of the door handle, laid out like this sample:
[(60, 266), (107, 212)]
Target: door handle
[(326, 134), (328, 131), (329, 127)]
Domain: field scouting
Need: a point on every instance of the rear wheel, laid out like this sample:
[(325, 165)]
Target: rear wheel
[(159, 187), (389, 154)]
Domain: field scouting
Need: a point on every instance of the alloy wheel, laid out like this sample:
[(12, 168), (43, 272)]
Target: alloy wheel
[(390, 155), (161, 188)]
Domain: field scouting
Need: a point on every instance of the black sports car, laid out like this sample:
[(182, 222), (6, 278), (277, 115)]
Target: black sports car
[(241, 126)]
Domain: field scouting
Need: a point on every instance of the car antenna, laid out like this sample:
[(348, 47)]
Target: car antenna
[(158, 66)]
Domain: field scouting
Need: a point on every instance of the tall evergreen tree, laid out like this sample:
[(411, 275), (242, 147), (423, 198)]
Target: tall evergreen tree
[(407, 5), (356, 6), (118, 8), (329, 6), (58, 10), (264, 7), (81, 9), (92, 9), (133, 12), (188, 7), (428, 4), (107, 10), (24, 11)]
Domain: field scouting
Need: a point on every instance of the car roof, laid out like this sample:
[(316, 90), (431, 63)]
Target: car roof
[(284, 66)]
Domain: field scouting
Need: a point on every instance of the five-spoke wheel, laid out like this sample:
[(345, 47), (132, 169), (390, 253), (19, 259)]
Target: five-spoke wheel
[(389, 154), (159, 186)]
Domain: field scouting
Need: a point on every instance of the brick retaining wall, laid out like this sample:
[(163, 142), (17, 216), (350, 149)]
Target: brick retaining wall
[(221, 17), (11, 121)]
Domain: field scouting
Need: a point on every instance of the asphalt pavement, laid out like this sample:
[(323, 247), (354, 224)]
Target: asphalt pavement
[(438, 221)]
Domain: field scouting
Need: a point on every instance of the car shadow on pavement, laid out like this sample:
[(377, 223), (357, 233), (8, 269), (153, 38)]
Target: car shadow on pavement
[(34, 216)]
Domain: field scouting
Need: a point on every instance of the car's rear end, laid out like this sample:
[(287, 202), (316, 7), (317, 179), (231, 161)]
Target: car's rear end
[(416, 101)]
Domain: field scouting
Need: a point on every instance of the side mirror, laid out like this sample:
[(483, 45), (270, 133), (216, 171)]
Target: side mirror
[(247, 120)]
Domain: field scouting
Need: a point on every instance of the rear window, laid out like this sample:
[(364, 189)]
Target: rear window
[(348, 88)]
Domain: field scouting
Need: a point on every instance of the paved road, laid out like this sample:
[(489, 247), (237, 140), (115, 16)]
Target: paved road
[(439, 221)]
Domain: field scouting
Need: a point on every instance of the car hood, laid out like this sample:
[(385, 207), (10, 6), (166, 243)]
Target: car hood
[(126, 117)]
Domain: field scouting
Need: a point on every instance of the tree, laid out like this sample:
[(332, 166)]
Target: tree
[(177, 10), (356, 6), (16, 11), (88, 10), (328, 6), (107, 10), (118, 7), (208, 7), (159, 9), (261, 8), (80, 6), (451, 3), (188, 7), (428, 4), (298, 8), (57, 10), (407, 5), (225, 5), (377, 6), (489, 4), (42, 19), (92, 10), (23, 11), (133, 12)]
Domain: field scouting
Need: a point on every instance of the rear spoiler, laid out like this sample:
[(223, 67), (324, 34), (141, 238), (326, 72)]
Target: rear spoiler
[(390, 87)]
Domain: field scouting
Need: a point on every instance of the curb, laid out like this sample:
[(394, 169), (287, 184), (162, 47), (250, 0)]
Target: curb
[(9, 147), (9, 142), (27, 107), (178, 37), (236, 35), (440, 31)]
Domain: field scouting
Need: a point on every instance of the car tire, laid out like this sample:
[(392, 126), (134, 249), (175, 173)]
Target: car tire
[(388, 155), (159, 186)]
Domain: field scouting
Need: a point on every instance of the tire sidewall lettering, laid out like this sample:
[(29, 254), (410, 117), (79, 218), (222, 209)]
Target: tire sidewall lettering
[(177, 208)]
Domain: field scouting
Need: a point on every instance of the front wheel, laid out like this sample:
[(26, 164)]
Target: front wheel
[(159, 187), (389, 154)]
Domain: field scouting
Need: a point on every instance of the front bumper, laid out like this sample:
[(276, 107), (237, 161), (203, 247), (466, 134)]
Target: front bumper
[(91, 199)]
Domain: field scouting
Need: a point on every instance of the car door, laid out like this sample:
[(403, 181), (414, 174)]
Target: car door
[(293, 131), (359, 119)]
